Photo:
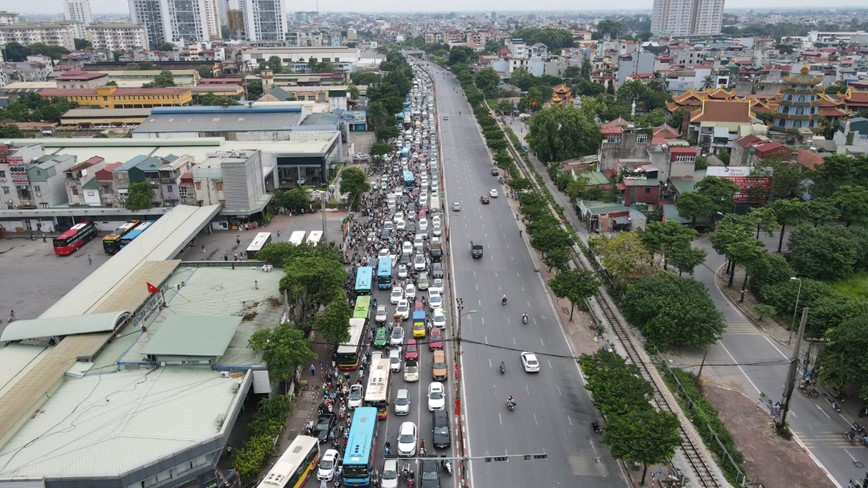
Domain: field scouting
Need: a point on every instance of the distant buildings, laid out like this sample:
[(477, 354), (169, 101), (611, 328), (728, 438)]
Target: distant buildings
[(264, 20), (177, 21), (114, 97), (687, 17), (117, 37), (78, 12), (62, 35)]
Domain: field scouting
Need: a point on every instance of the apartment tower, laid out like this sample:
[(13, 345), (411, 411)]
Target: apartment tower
[(77, 11), (687, 17), (177, 21), (264, 20)]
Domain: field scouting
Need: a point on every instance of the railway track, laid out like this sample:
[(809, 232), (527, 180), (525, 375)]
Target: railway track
[(702, 471)]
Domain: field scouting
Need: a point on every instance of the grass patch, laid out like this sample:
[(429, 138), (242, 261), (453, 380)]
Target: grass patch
[(856, 286)]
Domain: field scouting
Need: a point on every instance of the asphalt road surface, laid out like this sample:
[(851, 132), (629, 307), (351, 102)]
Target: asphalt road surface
[(554, 410)]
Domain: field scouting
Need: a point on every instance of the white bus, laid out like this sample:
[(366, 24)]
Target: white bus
[(349, 353), (297, 237), (377, 392), (294, 466), (258, 243), (314, 237)]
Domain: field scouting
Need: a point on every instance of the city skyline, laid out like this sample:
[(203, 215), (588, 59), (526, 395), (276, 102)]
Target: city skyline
[(397, 6)]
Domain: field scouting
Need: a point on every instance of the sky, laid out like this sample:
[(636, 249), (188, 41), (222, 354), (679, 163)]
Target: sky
[(121, 6)]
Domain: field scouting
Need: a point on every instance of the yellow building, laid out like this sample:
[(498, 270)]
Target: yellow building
[(114, 97)]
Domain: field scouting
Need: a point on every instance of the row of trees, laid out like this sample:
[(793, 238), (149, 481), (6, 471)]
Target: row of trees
[(15, 51), (34, 108), (386, 95)]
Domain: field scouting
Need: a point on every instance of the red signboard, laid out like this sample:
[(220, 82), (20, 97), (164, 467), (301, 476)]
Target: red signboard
[(753, 190)]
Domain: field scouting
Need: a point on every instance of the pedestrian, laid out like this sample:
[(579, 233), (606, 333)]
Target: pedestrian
[(11, 316), (237, 241), (90, 259), (278, 234), (255, 284), (203, 249), (225, 257), (312, 370)]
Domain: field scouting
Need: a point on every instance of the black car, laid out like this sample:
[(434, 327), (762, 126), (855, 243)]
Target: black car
[(494, 172), (429, 477), (324, 426), (386, 235), (442, 439), (437, 270), (410, 227), (436, 255)]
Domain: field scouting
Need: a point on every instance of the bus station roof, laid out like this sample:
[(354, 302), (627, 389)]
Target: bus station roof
[(62, 326), (193, 335)]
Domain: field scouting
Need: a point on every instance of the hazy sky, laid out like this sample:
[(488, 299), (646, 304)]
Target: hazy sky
[(121, 6)]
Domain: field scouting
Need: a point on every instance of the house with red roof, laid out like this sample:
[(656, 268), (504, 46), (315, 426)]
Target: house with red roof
[(114, 97), (81, 79), (78, 176), (103, 184), (717, 123)]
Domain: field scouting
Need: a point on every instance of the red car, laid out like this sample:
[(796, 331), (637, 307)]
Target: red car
[(435, 339), (411, 352), (484, 199)]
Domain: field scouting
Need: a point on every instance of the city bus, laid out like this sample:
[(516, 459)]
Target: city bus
[(358, 459), (384, 273), (349, 353), (377, 393), (77, 236), (129, 236), (314, 237), (297, 237), (364, 276), (409, 179), (258, 243), (362, 310), (112, 242), (295, 465)]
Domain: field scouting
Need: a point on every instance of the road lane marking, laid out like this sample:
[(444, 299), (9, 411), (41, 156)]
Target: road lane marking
[(499, 418), (477, 287), (486, 340), (535, 420), (527, 389), (543, 343), (569, 420), (509, 321), (550, 364), (482, 319), (559, 389)]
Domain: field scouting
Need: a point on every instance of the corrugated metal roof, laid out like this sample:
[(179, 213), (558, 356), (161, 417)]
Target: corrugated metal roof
[(193, 335), (61, 326)]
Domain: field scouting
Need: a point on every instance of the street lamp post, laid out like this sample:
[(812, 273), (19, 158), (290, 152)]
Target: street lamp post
[(459, 306), (795, 309)]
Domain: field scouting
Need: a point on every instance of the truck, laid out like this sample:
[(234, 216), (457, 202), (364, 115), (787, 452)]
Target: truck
[(419, 325), (436, 249), (475, 250)]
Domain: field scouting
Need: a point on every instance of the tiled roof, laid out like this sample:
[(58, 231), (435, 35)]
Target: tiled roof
[(78, 75), (723, 111), (747, 140), (119, 92), (808, 159)]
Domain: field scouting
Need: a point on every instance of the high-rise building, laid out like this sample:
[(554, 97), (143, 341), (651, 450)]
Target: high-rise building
[(177, 21), (117, 36), (264, 20), (687, 17), (77, 11)]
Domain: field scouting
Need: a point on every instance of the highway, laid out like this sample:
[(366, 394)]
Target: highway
[(554, 410)]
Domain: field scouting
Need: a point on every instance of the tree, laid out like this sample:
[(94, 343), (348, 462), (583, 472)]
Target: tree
[(576, 285), (558, 258), (610, 27), (765, 220), (140, 196), (205, 72), (671, 310), (81, 44), (720, 190), (548, 237), (623, 255), (365, 77), (660, 237), (10, 131), (852, 201), (163, 80), (15, 51), (166, 46), (821, 212), (333, 322), (212, 100), (843, 359), (284, 348), (788, 212), (311, 282), (685, 258), (294, 200), (558, 133), (693, 205), (616, 387), (763, 310), (487, 80), (355, 182), (821, 253), (380, 149), (645, 436), (734, 239), (253, 89)]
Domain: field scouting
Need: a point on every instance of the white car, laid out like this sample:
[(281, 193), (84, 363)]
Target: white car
[(328, 464), (400, 225), (419, 263), (529, 362), (456, 206), (402, 402), (407, 439), (419, 242), (383, 253), (492, 193), (411, 371), (397, 295), (436, 396), (389, 477), (435, 301), (381, 316), (423, 225), (437, 230), (388, 225), (402, 271), (403, 309), (396, 337), (436, 286), (355, 397), (398, 217), (406, 247), (435, 221), (410, 292), (439, 319)]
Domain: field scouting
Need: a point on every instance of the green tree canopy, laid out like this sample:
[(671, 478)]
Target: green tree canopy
[(558, 133), (645, 436), (624, 256), (576, 285), (139, 197), (311, 282), (284, 349), (333, 322), (81, 44), (355, 182), (843, 360), (487, 81), (720, 190), (294, 200), (616, 386), (823, 253), (660, 237), (554, 39)]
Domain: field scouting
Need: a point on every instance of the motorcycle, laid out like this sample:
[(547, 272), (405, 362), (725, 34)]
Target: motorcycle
[(510, 404), (447, 466), (524, 319), (863, 412), (596, 426), (503, 301), (502, 368)]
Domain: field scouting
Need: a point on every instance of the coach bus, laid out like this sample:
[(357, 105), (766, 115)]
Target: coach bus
[(77, 236), (314, 237), (377, 392), (358, 459), (364, 277), (258, 243), (129, 236), (384, 273), (297, 237), (112, 242), (295, 465), (349, 353)]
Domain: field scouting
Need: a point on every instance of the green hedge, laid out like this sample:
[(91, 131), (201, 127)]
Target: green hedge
[(266, 425)]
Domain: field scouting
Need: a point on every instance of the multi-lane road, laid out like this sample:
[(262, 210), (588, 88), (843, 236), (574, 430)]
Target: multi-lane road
[(554, 410)]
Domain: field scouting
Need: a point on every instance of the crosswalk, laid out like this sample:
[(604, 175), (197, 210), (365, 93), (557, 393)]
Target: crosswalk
[(743, 329)]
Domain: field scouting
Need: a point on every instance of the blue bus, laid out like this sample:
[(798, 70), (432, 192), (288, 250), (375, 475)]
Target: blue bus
[(136, 232), (361, 447), (409, 179), (364, 277), (384, 273)]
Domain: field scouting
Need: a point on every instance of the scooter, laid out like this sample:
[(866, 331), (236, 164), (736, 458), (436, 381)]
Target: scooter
[(510, 404), (596, 426), (503, 301), (502, 368), (447, 466), (524, 319)]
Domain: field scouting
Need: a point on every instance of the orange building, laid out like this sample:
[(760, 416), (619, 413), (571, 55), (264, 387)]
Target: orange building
[(114, 97)]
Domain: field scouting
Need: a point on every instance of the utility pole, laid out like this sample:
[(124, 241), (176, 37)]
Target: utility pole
[(794, 367), (325, 235)]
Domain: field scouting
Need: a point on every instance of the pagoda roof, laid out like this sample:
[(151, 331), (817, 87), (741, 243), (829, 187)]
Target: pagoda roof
[(737, 111)]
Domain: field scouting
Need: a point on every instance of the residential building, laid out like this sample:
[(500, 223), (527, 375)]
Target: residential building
[(177, 21), (77, 11), (114, 97), (640, 62), (720, 122), (7, 18), (800, 107), (297, 58), (100, 191), (234, 180), (264, 20), (52, 34), (80, 175), (117, 36), (81, 79), (687, 17), (15, 159), (150, 14), (35, 69)]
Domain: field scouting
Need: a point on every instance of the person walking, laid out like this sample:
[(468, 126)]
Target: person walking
[(312, 370), (90, 260)]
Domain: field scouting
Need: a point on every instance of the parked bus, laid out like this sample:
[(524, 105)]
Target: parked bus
[(377, 393), (297, 237), (258, 243), (112, 242), (384, 273), (314, 237), (295, 465), (358, 459), (78, 235), (409, 179), (362, 310), (129, 236), (364, 277), (349, 353)]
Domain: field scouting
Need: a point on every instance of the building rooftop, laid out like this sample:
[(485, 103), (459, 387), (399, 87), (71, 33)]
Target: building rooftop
[(221, 119), (192, 335), (78, 75)]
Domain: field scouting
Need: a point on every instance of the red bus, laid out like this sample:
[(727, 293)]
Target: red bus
[(77, 236)]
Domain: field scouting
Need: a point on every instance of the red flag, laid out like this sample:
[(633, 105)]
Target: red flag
[(153, 289)]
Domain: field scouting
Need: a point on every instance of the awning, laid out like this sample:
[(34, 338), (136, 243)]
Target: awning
[(622, 220), (721, 132), (62, 326)]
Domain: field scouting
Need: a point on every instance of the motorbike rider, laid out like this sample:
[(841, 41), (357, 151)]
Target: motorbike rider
[(595, 425), (510, 401), (502, 367), (524, 318), (503, 300)]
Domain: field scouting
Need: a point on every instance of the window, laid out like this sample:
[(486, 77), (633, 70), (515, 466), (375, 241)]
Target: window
[(75, 191), (218, 185), (648, 190), (36, 188), (182, 190), (198, 185), (640, 138), (2, 174), (6, 190)]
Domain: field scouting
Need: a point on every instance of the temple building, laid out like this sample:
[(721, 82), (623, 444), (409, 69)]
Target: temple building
[(800, 106)]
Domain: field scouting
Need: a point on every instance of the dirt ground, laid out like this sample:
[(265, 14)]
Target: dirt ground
[(769, 459)]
